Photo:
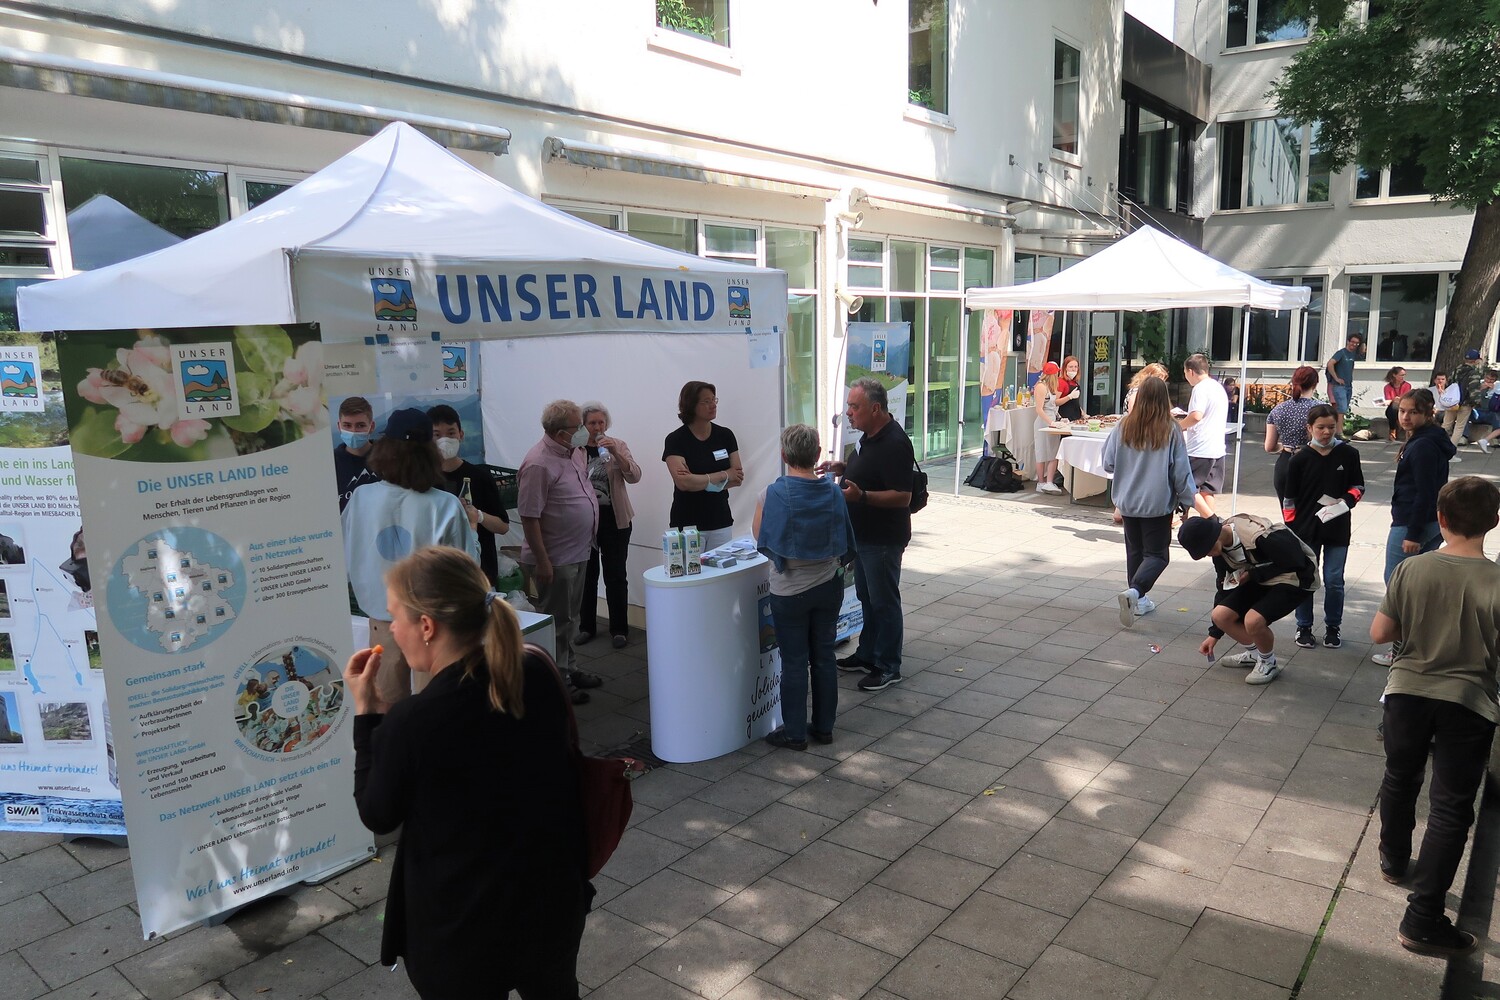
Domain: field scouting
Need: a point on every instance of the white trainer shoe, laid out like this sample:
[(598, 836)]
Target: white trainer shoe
[(1130, 602), (1264, 672), (1145, 606), (1384, 657), (1244, 658)]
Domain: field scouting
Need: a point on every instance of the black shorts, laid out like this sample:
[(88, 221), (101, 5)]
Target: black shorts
[(1272, 603), (1208, 473)]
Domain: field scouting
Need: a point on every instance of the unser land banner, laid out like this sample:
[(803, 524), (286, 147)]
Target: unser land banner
[(205, 482), (57, 767)]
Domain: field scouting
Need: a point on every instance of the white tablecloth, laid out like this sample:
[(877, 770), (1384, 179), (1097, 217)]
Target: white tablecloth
[(1014, 428), (1080, 461)]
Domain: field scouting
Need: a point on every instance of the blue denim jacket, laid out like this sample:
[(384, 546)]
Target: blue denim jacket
[(804, 519)]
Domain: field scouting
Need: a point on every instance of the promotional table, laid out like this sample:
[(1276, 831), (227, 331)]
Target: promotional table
[(1080, 460), (712, 661)]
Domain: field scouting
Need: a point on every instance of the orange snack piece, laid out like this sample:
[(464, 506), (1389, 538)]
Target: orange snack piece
[(377, 648)]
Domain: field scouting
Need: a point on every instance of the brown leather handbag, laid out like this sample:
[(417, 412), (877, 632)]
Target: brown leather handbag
[(603, 787)]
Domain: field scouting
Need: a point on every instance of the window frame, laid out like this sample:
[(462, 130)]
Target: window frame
[(1074, 158), (53, 240), (1304, 163), (239, 177), (1252, 22), (1297, 345), (705, 39), (1445, 272), (939, 115)]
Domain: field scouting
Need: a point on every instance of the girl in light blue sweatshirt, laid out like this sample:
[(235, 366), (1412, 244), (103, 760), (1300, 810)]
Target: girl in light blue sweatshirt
[(1152, 478)]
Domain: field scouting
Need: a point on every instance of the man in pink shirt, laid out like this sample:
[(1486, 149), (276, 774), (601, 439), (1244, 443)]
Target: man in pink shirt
[(560, 517)]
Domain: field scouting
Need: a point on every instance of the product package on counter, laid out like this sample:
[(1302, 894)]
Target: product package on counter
[(672, 555), (692, 547)]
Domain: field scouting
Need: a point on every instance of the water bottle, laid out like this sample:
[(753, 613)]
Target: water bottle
[(604, 454)]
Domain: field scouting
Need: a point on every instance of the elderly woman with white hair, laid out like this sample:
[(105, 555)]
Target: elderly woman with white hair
[(610, 467), (802, 525)]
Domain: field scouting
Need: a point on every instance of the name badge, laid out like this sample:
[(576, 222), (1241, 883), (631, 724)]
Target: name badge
[(721, 455)]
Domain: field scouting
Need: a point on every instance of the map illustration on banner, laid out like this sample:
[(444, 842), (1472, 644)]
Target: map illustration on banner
[(57, 766), (205, 481)]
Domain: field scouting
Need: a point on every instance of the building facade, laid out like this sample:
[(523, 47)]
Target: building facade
[(877, 150), (1377, 251)]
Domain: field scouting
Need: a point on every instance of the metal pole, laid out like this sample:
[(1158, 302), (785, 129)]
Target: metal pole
[(1239, 434), (963, 362)]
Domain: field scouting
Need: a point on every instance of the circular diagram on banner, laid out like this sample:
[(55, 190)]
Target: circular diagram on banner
[(176, 589), (287, 699)]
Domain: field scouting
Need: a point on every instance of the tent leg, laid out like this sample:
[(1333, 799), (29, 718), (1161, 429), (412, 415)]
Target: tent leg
[(1239, 435), (958, 445)]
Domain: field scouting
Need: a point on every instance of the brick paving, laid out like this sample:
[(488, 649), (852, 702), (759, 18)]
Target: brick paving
[(1045, 808)]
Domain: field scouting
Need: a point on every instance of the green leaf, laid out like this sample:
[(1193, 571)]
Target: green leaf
[(257, 408), (266, 349), (95, 434)]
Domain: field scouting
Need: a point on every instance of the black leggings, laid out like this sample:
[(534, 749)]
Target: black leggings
[(1148, 540)]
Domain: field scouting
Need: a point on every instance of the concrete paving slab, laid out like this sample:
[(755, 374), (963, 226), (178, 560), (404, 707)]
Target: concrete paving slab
[(1061, 974), (709, 958)]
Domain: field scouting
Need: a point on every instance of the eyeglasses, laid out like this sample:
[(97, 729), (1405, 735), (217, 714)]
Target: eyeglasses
[(711, 399)]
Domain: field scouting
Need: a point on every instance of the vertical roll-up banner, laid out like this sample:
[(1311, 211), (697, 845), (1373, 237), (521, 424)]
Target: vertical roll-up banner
[(206, 487), (57, 766)]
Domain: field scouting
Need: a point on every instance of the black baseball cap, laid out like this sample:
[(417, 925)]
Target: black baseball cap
[(1198, 535), (408, 425)]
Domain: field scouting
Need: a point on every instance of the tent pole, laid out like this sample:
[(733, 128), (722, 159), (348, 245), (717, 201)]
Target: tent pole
[(963, 362), (1239, 435)]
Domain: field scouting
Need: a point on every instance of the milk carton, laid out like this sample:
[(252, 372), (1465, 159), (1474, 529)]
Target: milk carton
[(672, 554), (692, 547)]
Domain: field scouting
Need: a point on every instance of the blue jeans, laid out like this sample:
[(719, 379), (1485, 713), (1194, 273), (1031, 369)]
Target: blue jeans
[(877, 581), (1334, 557), (1340, 396), (1427, 534), (805, 632)]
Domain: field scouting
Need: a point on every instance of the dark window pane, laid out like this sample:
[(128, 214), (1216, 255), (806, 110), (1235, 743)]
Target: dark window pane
[(1366, 181), (12, 169), (1231, 163), (117, 211), (1408, 178), (18, 257), (1237, 28), (22, 212), (1312, 329), (1275, 22), (257, 193), (1408, 308), (1361, 294), (1226, 331), (1066, 64)]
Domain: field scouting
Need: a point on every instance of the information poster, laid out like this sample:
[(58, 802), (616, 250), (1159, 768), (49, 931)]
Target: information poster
[(994, 332), (204, 481), (57, 768)]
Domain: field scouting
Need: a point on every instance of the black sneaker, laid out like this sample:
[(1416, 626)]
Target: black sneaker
[(879, 680), (582, 679), (1440, 939), (853, 663), (779, 738), (1392, 869), (1305, 637), (1331, 637)]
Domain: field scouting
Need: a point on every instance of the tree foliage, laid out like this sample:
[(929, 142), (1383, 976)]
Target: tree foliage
[(1421, 76)]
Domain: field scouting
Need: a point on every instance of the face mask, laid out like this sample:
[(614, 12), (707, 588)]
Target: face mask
[(448, 447), (1324, 443), (580, 437), (354, 440)]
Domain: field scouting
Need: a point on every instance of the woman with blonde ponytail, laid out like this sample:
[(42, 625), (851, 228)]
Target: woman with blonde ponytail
[(488, 890)]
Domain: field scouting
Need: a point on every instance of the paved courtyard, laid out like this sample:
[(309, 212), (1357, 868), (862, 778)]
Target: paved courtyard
[(1045, 808)]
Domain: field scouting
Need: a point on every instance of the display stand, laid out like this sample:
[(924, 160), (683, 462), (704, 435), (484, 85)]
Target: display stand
[(714, 669)]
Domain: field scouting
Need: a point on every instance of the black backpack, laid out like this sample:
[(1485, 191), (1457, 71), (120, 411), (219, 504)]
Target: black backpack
[(981, 473), (918, 488), (1002, 477)]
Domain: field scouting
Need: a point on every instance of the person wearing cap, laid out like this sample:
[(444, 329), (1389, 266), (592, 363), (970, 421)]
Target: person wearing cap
[(1487, 412), (560, 517), (1264, 572), (386, 521), (1045, 396), (1203, 428), (1469, 378)]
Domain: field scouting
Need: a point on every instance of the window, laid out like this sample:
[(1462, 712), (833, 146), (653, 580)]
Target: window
[(1271, 161), (118, 210), (257, 193), (708, 19), (670, 231), (1264, 21), (736, 244), (795, 251), (1066, 64), (1153, 158), (1402, 313), (1405, 179), (26, 238), (866, 263), (927, 54), (1274, 336)]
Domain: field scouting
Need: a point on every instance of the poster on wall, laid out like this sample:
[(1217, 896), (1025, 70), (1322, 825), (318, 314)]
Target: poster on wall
[(1038, 343), (203, 475), (994, 332), (57, 764)]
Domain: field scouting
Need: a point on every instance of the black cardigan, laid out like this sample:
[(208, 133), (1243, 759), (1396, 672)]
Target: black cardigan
[(489, 875)]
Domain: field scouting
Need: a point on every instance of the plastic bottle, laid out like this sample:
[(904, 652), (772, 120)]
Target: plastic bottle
[(604, 454)]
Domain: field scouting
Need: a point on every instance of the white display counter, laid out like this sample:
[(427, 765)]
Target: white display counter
[(712, 661)]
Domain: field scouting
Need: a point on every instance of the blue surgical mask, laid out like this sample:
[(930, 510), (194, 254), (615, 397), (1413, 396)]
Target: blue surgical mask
[(354, 440)]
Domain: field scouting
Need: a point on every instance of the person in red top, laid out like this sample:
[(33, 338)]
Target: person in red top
[(1070, 391), (1396, 386)]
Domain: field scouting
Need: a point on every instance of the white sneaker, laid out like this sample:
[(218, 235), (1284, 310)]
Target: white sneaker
[(1130, 602), (1484, 445), (1455, 460), (1244, 658), (1052, 488), (1383, 658), (1145, 606), (1264, 672), (1042, 488)]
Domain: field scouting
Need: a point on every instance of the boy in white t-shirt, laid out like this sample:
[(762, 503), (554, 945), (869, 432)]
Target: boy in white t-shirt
[(1203, 428)]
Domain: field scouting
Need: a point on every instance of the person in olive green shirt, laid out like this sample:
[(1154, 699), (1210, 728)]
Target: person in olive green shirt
[(1444, 609)]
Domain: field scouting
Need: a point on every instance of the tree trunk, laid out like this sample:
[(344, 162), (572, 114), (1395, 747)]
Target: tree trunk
[(1477, 294)]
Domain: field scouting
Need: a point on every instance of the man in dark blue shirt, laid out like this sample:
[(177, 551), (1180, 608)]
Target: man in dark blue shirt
[(878, 488)]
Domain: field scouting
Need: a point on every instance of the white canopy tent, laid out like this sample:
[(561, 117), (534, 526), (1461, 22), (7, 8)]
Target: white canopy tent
[(1146, 271), (401, 239)]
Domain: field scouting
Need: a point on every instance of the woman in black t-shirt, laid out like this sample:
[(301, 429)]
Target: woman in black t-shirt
[(704, 460)]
